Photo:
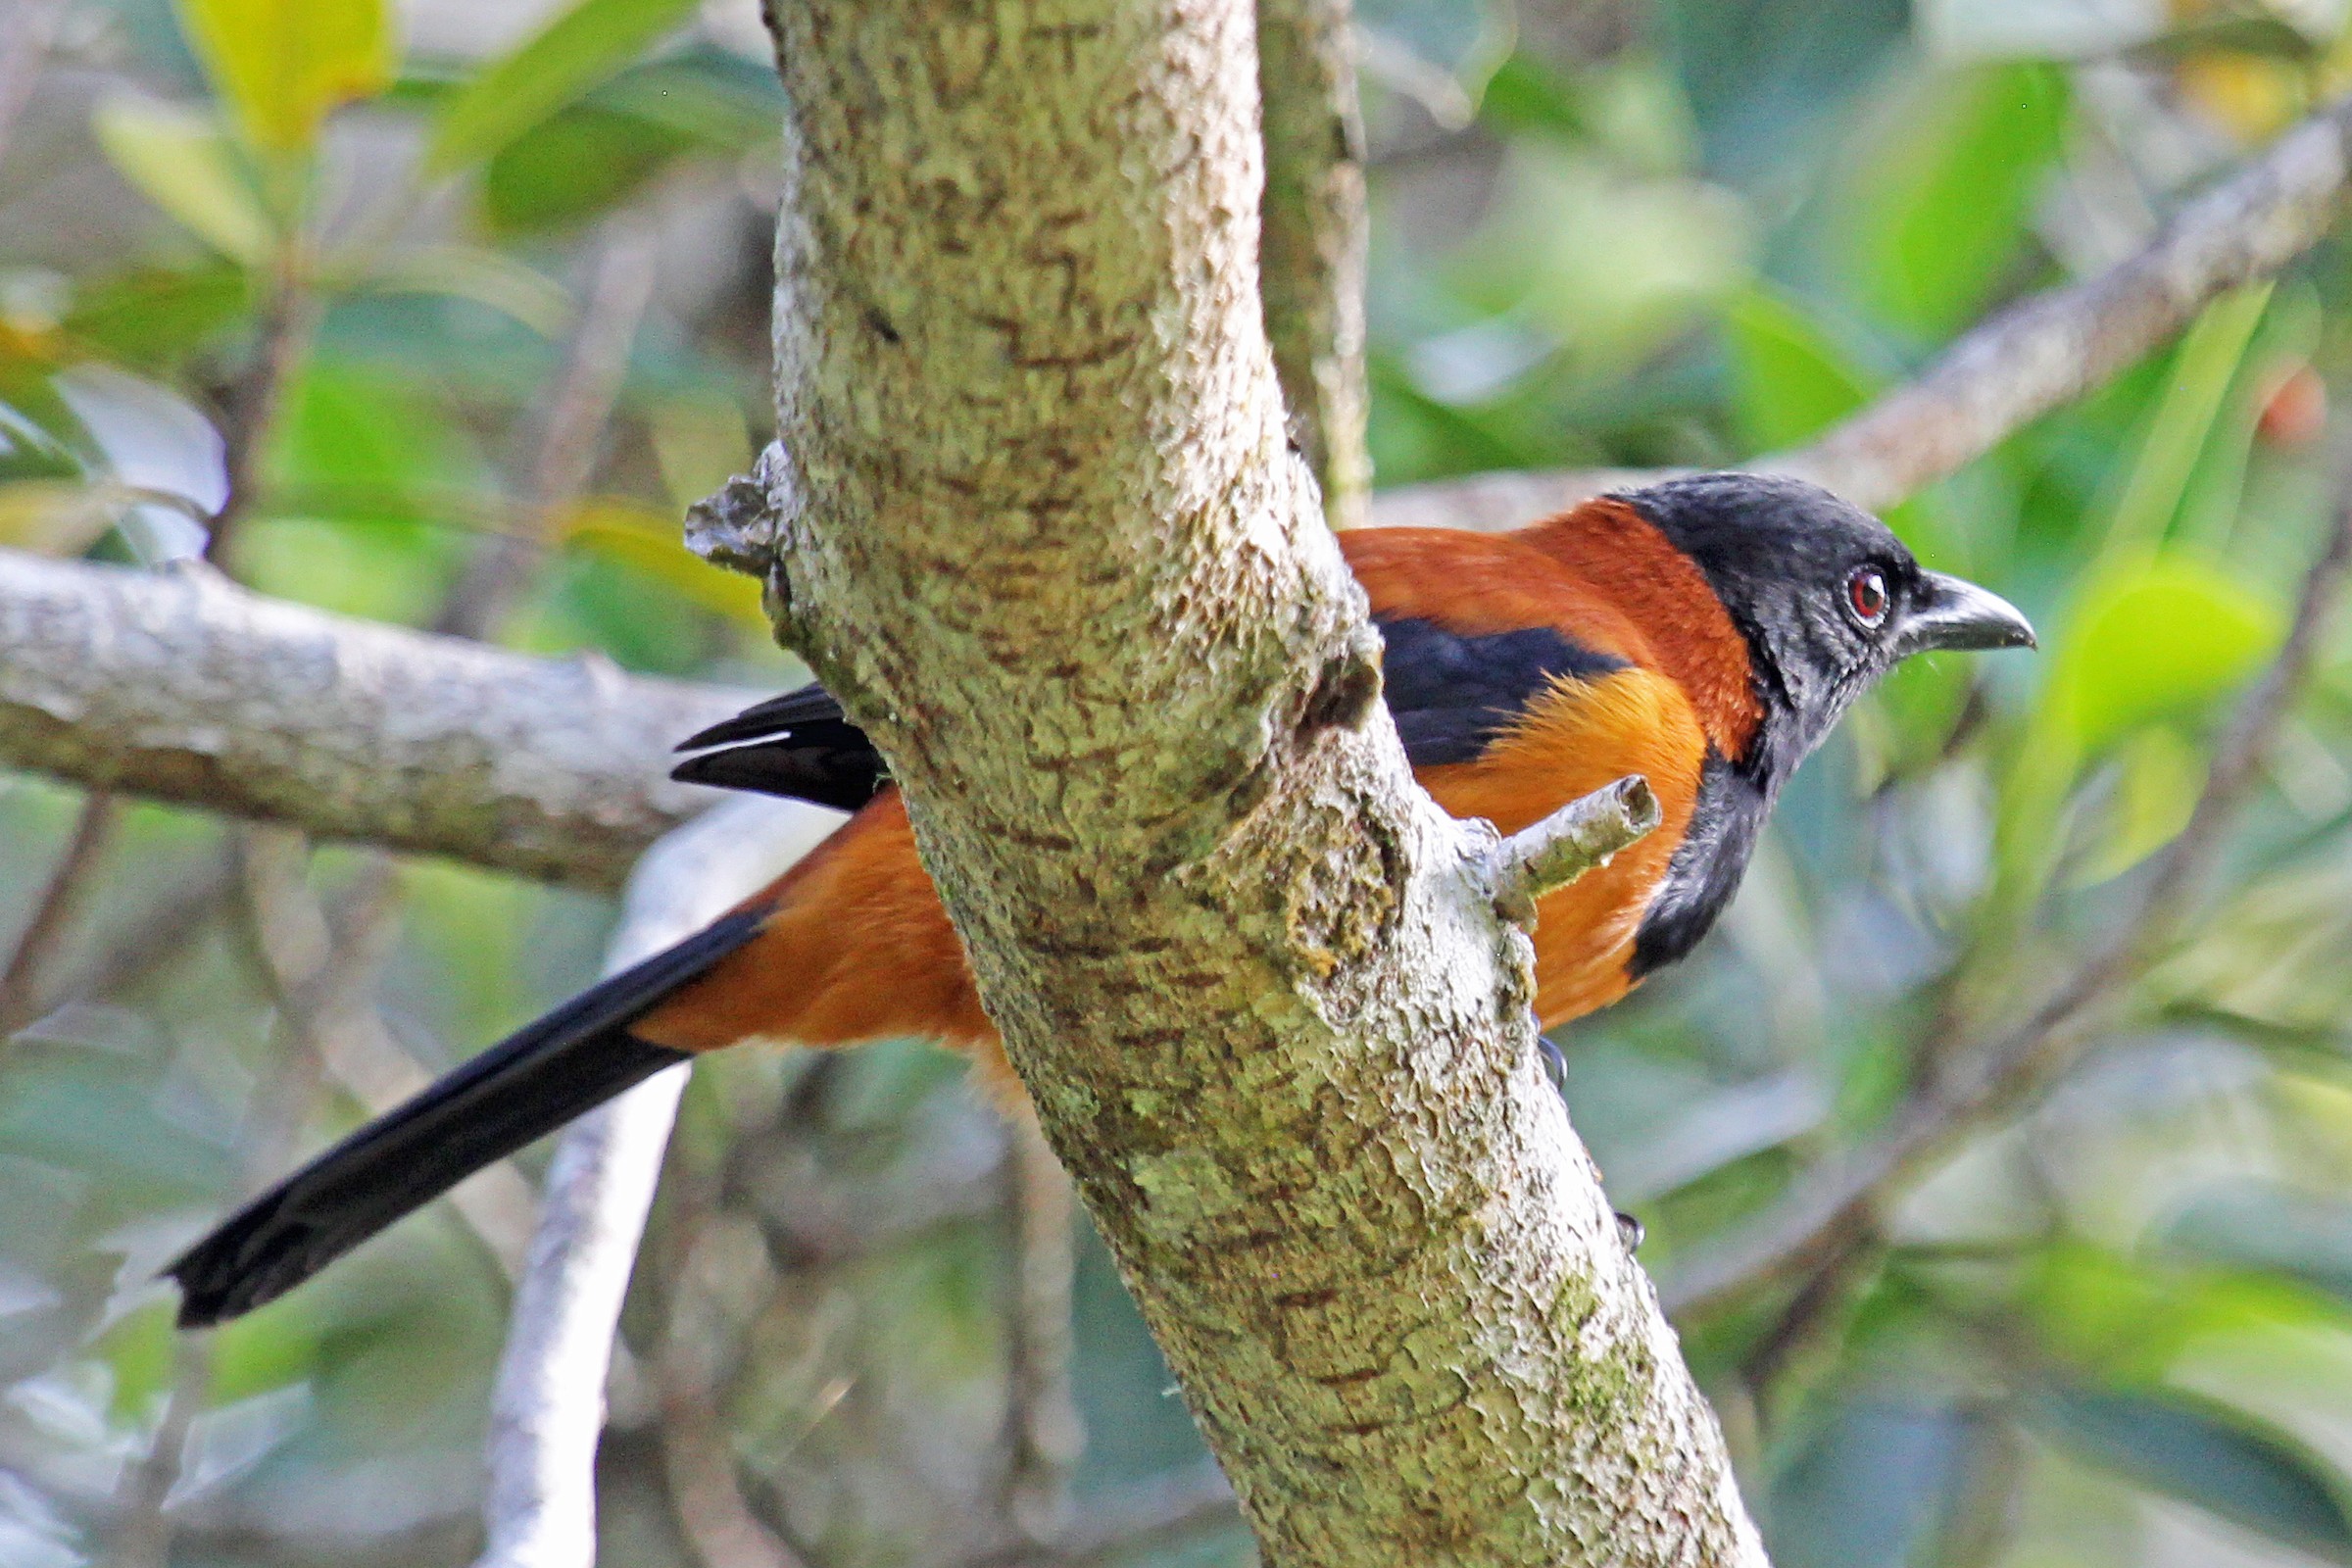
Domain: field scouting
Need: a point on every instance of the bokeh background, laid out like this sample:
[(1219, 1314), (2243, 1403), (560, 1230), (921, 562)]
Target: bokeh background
[(463, 349)]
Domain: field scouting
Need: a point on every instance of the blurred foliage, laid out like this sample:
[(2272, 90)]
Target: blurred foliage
[(2113, 1326)]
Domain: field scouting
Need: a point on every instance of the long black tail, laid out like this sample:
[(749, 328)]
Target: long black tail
[(526, 1086)]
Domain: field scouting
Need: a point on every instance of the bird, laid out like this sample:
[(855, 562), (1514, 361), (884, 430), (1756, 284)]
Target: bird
[(1705, 632)]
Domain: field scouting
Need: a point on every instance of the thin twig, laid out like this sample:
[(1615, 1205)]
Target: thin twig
[(1986, 1078), (718, 1524), (23, 983), (155, 937), (356, 1049), (1133, 1519), (288, 313), (695, 1355), (578, 408), (354, 1045), (252, 404), (690, 1364), (1043, 1437), (1313, 239), (1582, 836), (142, 1533), (2048, 351)]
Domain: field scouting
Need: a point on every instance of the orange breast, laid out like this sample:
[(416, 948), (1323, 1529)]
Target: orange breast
[(1577, 740)]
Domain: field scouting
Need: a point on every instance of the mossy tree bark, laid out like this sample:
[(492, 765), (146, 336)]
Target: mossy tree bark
[(1035, 521)]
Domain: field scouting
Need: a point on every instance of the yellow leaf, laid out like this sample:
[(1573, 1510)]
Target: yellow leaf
[(55, 517), (285, 65), (647, 541)]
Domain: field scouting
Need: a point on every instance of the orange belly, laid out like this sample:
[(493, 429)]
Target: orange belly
[(856, 947), (1573, 743)]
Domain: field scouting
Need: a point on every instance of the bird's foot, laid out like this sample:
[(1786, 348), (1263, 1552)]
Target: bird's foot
[(1555, 1063)]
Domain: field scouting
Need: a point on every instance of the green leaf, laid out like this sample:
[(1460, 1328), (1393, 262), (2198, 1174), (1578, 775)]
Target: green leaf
[(1872, 1485), (2220, 1459), (575, 168), (715, 98), (285, 65), (180, 161), (1792, 379), (2157, 790), (1526, 93), (2152, 640), (2270, 1229), (30, 453), (152, 319), (1942, 209), (2202, 370), (2270, 37), (586, 45), (591, 157), (491, 278)]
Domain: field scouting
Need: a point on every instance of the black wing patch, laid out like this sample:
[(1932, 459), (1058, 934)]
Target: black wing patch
[(1449, 694), (1452, 694), (1707, 865), (800, 745)]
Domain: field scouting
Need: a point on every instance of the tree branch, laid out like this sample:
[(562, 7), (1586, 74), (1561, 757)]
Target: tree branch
[(178, 686), (548, 1406), (2048, 351), (2037, 355), (24, 981), (1038, 526), (1823, 1214), (1497, 503), (1311, 247)]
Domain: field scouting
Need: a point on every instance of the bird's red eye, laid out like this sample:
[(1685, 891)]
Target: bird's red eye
[(1866, 596)]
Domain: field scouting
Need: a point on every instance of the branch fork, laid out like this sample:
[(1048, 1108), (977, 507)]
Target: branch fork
[(1582, 836)]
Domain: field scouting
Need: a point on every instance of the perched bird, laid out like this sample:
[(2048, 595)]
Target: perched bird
[(1705, 632)]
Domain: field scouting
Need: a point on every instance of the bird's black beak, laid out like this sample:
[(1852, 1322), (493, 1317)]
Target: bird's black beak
[(1957, 615)]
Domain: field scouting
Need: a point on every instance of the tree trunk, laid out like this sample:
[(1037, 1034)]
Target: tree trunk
[(1038, 524)]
